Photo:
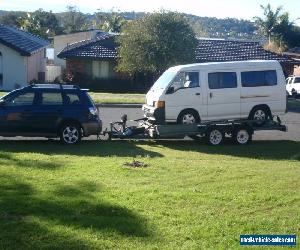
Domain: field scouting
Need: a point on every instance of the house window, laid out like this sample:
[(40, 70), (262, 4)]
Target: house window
[(100, 69)]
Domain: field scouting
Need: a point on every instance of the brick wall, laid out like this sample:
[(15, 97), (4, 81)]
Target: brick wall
[(297, 70), (75, 66)]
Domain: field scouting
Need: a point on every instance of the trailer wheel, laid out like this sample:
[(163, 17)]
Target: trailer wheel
[(214, 136), (242, 135)]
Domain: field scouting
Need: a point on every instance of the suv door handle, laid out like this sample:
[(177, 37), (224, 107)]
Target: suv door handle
[(210, 94), (197, 94)]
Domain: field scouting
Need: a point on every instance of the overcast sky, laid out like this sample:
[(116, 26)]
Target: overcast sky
[(245, 9)]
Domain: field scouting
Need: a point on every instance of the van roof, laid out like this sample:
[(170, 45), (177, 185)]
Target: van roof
[(229, 64)]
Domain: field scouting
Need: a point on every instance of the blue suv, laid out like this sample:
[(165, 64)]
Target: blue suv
[(49, 110)]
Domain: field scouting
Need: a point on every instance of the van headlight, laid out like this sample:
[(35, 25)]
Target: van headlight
[(159, 104)]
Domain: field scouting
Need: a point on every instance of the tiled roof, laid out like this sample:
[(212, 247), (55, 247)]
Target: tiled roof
[(295, 50), (208, 50), (216, 50), (102, 47), (23, 42)]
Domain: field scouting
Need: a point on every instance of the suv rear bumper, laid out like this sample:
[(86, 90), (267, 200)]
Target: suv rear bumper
[(92, 127)]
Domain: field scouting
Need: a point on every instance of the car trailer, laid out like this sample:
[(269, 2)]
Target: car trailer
[(214, 132)]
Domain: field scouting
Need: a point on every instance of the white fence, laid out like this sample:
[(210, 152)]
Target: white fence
[(52, 72)]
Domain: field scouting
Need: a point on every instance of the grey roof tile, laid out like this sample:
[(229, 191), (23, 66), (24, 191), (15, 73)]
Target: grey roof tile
[(102, 47), (23, 42), (208, 50)]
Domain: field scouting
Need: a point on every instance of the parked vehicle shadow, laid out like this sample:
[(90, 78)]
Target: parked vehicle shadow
[(293, 105), (85, 148), (32, 220), (265, 150)]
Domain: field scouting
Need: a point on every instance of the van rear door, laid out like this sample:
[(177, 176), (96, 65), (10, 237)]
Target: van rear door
[(223, 95)]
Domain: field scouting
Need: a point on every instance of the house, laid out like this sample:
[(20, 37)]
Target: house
[(62, 41), (22, 58), (93, 58), (294, 53), (96, 58)]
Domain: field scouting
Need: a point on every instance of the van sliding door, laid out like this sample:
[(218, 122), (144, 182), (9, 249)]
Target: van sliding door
[(223, 95)]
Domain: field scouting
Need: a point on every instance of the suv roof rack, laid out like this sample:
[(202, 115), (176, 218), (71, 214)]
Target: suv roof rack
[(54, 86)]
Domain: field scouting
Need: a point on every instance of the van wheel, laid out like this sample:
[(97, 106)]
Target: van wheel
[(260, 114), (214, 136), (70, 133), (188, 117), (242, 135)]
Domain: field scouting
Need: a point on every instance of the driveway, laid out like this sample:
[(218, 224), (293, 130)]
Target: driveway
[(291, 119)]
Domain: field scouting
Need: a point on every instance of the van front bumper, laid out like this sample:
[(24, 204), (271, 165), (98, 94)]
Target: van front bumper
[(156, 114)]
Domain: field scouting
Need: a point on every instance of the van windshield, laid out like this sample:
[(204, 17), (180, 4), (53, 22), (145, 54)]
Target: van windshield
[(164, 80)]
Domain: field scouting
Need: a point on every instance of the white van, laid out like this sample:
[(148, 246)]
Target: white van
[(293, 85), (194, 93)]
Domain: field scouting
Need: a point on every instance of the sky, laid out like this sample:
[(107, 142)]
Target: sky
[(241, 9)]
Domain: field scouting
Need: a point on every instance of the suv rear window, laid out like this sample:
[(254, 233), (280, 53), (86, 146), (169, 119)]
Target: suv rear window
[(72, 98)]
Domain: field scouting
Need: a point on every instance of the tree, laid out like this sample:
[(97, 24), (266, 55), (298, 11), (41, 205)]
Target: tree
[(11, 19), (31, 24), (74, 20), (40, 22), (155, 42), (109, 22), (277, 27), (48, 22)]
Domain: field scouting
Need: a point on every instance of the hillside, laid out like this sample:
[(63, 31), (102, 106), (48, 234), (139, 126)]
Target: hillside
[(203, 26)]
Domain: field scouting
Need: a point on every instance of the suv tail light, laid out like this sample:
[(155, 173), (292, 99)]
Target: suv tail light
[(93, 111)]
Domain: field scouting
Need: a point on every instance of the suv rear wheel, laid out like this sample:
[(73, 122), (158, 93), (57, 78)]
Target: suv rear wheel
[(70, 133)]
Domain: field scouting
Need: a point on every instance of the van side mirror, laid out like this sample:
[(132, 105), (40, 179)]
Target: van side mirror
[(170, 90)]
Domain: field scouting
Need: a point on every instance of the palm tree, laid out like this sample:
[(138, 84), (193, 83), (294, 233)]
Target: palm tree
[(109, 22), (270, 22)]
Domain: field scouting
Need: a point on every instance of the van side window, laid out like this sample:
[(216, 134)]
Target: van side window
[(297, 80), (191, 79), (222, 80), (259, 78), (186, 80)]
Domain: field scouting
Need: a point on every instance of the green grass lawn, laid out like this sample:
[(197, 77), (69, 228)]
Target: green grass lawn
[(117, 98), (191, 196), (113, 97)]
